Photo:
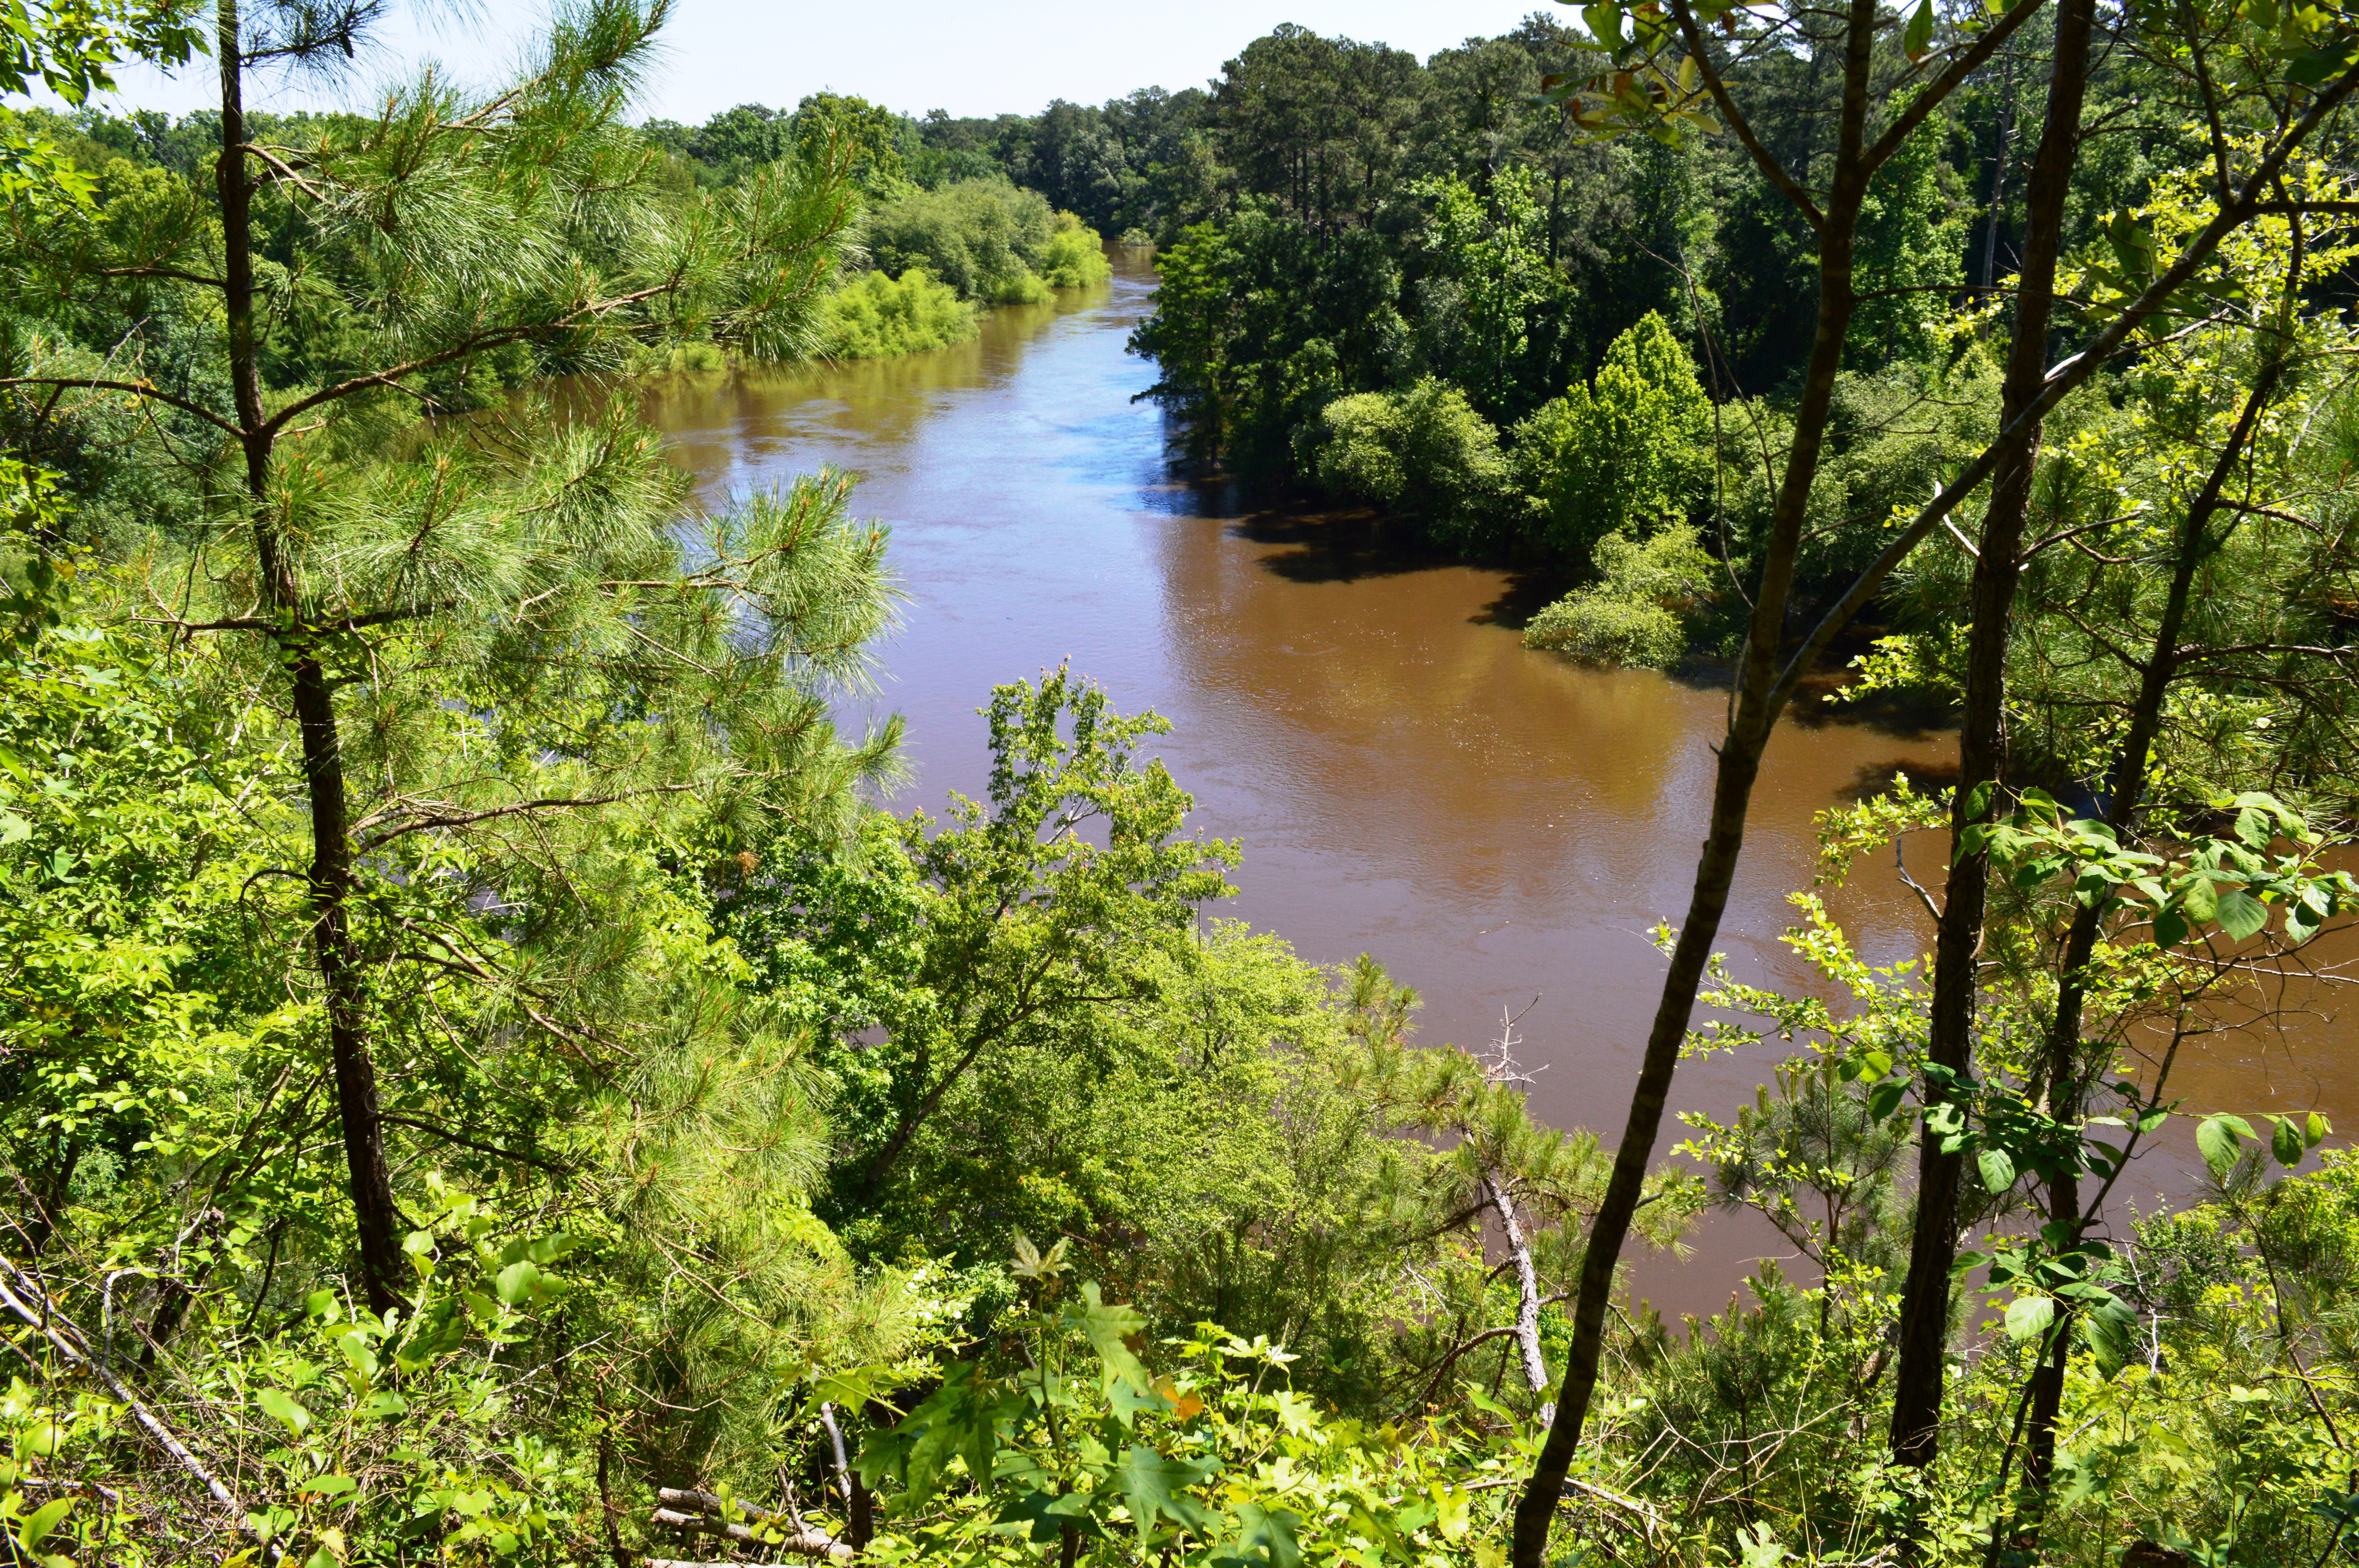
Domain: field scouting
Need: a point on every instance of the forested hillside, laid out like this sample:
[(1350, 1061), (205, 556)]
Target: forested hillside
[(490, 1071)]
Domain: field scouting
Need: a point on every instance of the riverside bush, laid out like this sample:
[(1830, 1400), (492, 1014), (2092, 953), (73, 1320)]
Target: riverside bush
[(1425, 453), (874, 316), (1074, 256), (1634, 615), (988, 240)]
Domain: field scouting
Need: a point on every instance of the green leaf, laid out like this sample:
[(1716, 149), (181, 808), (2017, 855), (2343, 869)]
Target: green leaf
[(1918, 39), (1154, 1484), (1998, 1170), (1886, 1097), (2216, 1141), (1042, 1517), (1108, 1328), (327, 1486), (281, 1407), (2199, 900), (2241, 914), (42, 1520), (523, 1283), (2314, 1131), (2110, 1330), (1269, 1535), (2286, 1141), (2027, 1317), (2170, 928)]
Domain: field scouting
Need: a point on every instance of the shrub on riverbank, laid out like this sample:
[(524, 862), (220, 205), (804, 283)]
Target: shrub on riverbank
[(1074, 256), (988, 240), (1636, 615), (1424, 453), (876, 317)]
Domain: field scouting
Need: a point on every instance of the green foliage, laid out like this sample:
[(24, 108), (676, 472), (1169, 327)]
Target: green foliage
[(1491, 295), (1626, 454), (1086, 1448), (875, 316), (1908, 251), (986, 239), (838, 130), (1425, 453), (1074, 256), (1636, 615), (1260, 323)]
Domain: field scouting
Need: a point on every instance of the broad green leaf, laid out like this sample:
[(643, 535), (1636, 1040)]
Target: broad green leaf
[(1108, 1327), (2241, 914), (1998, 1170), (2027, 1317), (2200, 899), (1918, 39), (281, 1407), (1269, 1535), (42, 1520), (2216, 1142), (523, 1283), (1042, 1517), (2315, 1130), (2110, 1329), (2286, 1143)]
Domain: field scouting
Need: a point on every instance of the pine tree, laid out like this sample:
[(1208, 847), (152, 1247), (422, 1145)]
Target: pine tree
[(484, 629)]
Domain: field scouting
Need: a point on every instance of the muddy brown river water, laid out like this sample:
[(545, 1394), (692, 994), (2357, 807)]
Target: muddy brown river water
[(1495, 825)]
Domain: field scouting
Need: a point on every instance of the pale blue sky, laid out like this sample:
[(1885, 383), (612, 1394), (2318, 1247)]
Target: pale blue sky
[(979, 58)]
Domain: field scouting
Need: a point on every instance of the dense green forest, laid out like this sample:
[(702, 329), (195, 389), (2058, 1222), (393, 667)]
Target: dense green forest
[(486, 1074)]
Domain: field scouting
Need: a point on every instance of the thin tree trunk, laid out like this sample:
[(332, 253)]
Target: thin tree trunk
[(1925, 1302), (2127, 787), (1754, 715), (376, 1218)]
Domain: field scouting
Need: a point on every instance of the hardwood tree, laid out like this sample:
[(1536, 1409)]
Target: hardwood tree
[(1672, 76)]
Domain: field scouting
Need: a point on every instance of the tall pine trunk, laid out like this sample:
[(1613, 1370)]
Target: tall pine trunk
[(1925, 1300), (375, 1218)]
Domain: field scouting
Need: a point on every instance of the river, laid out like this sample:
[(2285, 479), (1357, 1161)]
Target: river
[(1500, 827)]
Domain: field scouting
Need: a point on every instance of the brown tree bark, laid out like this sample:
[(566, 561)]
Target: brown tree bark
[(1754, 715), (1925, 1302), (376, 1220)]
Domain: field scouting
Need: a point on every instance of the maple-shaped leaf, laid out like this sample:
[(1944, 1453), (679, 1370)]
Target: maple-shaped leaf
[(1111, 1329), (1155, 1484)]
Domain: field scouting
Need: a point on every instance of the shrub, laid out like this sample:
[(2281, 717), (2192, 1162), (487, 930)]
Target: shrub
[(1424, 453), (1074, 256), (987, 240), (874, 316), (976, 235), (1635, 614), (1622, 455)]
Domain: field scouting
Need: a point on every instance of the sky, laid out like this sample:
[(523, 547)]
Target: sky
[(985, 56)]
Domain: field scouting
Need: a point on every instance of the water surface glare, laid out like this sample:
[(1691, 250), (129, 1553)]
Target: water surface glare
[(1495, 825)]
